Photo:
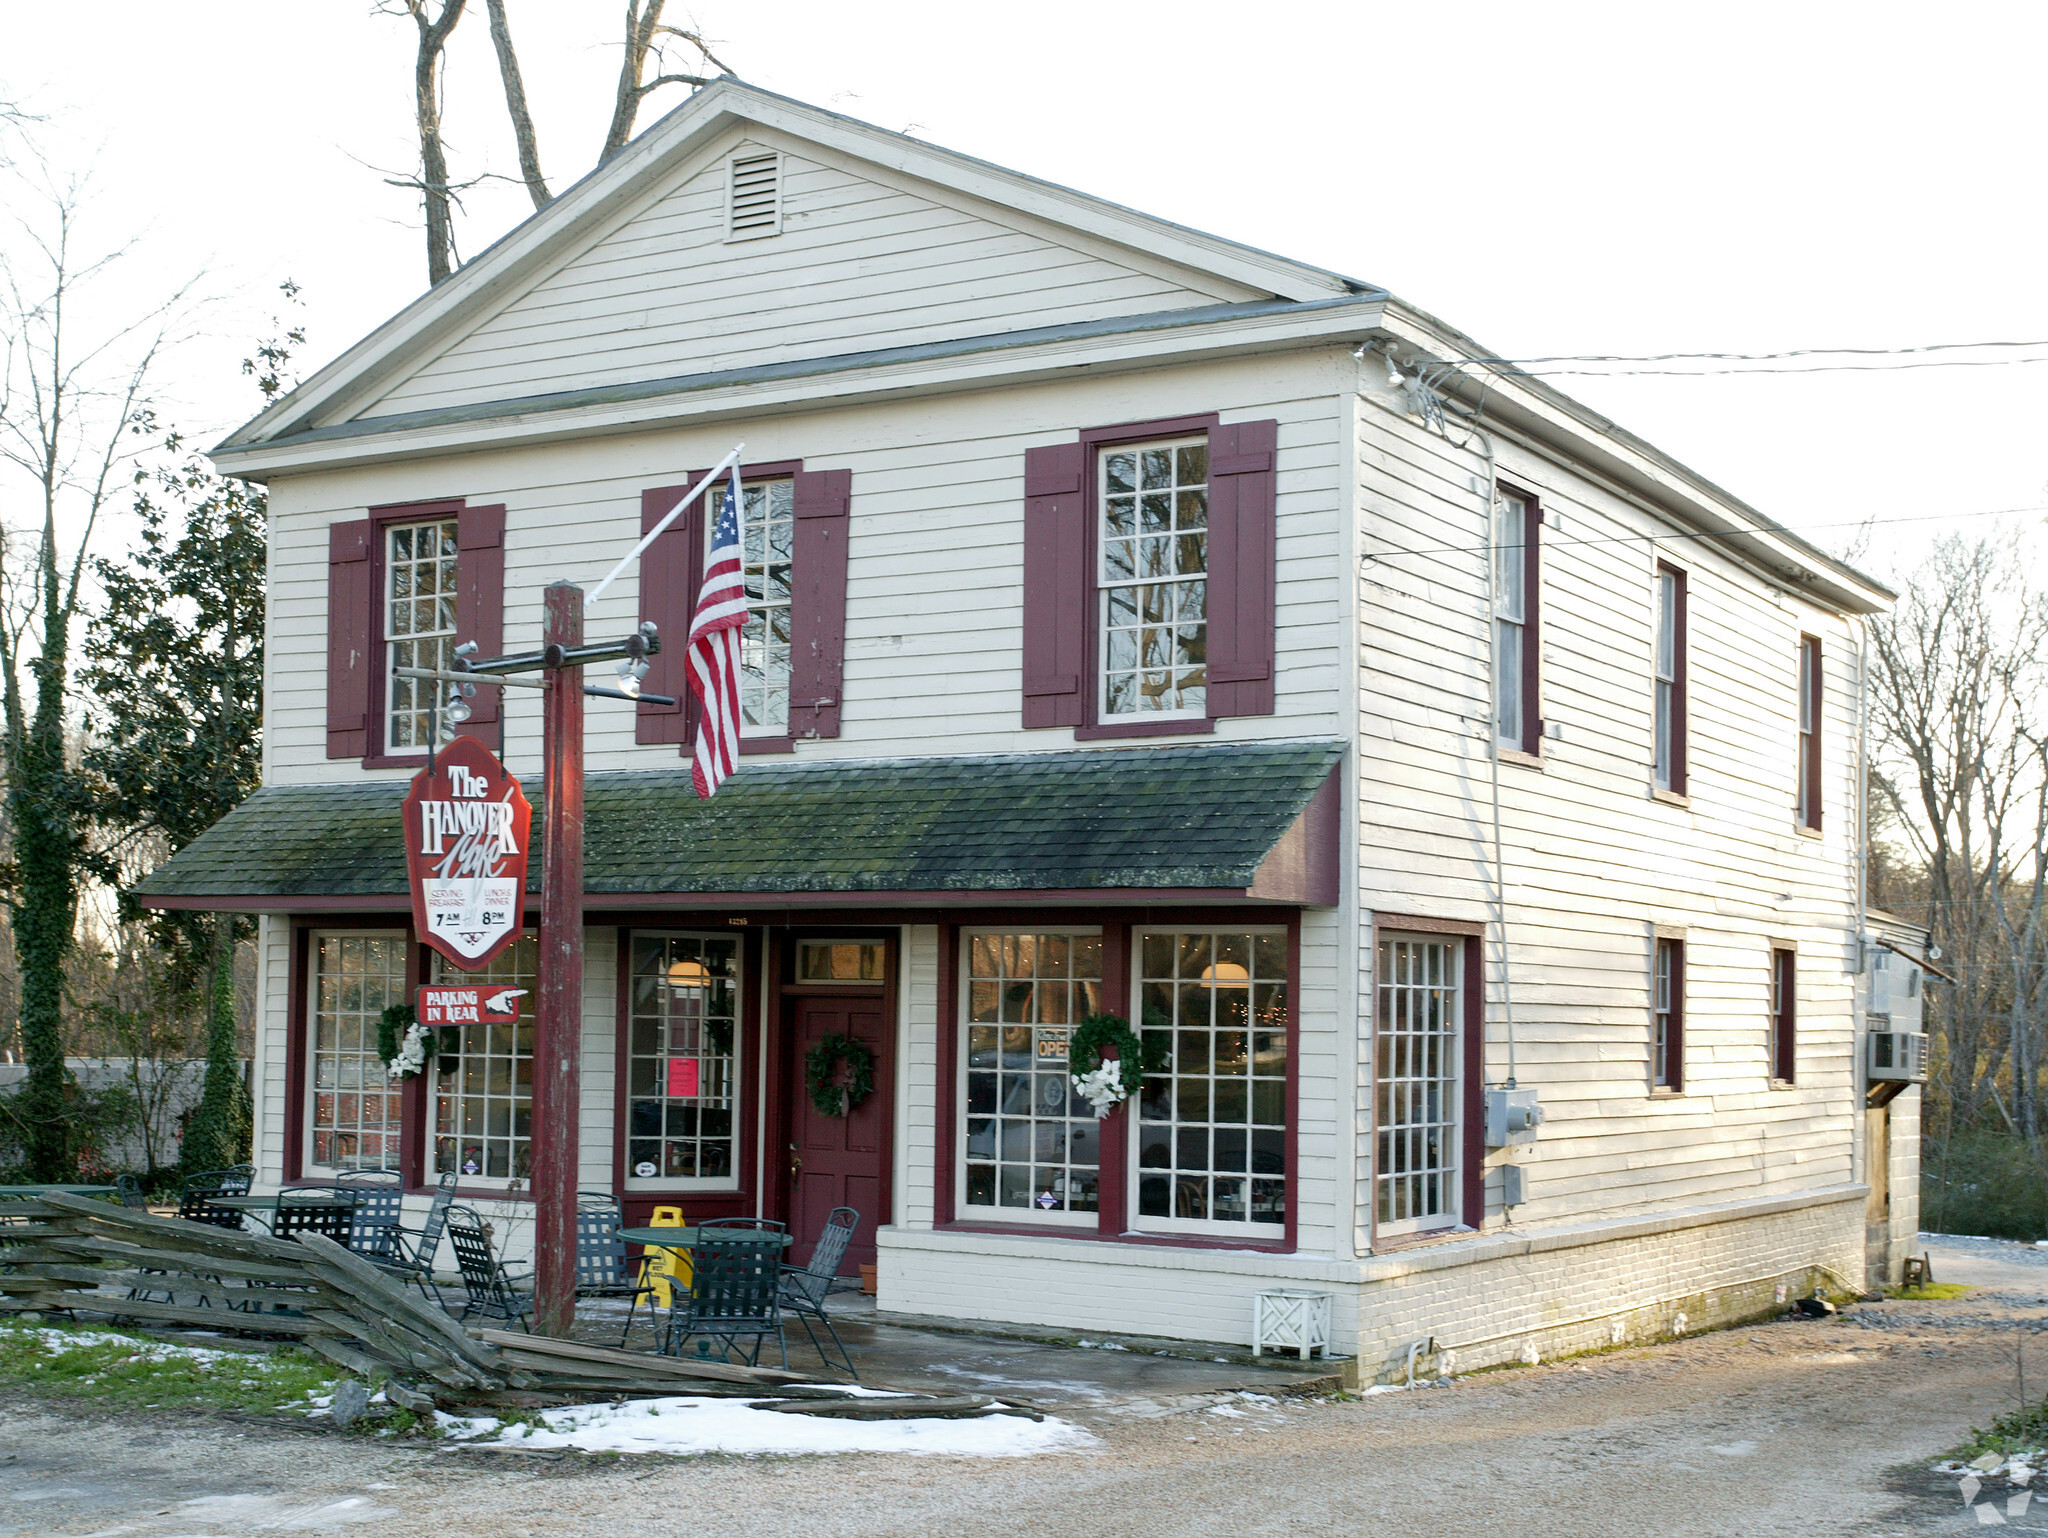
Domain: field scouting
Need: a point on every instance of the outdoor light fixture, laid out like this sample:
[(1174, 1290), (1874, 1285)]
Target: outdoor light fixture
[(1226, 974), (631, 671)]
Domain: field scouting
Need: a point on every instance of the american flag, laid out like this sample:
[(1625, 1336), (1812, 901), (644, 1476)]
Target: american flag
[(715, 651)]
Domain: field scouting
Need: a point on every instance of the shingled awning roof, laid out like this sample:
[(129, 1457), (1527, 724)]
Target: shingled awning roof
[(1243, 820)]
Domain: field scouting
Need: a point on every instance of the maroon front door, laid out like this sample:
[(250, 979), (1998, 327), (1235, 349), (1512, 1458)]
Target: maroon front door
[(839, 1161)]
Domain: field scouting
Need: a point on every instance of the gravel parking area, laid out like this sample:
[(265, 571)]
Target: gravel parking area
[(1794, 1427)]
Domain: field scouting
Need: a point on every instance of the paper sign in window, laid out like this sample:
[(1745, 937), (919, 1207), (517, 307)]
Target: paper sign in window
[(682, 1078)]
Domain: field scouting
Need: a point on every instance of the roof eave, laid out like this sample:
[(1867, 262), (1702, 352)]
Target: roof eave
[(1544, 412)]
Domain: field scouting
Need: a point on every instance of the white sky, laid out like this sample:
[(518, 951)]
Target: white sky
[(1553, 179)]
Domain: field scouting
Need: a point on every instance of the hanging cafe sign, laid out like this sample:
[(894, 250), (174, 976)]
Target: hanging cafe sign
[(466, 843)]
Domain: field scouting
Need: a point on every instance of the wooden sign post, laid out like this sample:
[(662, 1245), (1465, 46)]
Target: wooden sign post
[(558, 1019)]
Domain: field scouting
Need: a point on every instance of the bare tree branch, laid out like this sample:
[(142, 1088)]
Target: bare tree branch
[(515, 106), (643, 29)]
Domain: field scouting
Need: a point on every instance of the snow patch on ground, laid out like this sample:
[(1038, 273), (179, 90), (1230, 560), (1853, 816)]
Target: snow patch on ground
[(686, 1424), (56, 1342)]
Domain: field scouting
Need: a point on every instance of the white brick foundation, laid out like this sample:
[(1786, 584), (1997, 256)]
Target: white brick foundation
[(1473, 1302)]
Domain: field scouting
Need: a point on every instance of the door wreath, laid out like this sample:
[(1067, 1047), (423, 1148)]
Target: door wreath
[(822, 1065)]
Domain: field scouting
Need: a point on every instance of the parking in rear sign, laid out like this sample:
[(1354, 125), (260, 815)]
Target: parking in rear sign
[(467, 832)]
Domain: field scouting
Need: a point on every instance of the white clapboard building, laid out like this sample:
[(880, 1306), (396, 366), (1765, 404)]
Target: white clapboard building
[(1459, 797)]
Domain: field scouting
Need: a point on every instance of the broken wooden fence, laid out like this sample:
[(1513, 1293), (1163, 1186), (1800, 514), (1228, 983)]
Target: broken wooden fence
[(69, 1252)]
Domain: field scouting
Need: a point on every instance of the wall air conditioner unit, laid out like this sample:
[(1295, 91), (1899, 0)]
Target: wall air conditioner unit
[(1898, 1057)]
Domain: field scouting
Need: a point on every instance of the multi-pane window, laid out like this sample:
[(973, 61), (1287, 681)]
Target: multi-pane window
[(1784, 1014), (1416, 1067), (682, 1079), (483, 1088), (1155, 561), (1033, 1145), (1212, 1120), (1809, 732), (1667, 1016), (1513, 569), (419, 624), (767, 525), (1670, 680), (355, 1121)]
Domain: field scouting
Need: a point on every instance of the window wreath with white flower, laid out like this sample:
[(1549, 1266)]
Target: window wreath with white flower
[(1105, 1082), (402, 1042)]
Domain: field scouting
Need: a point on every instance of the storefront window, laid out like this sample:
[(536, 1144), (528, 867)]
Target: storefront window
[(682, 1080), (1212, 1121), (483, 1089), (355, 1102), (1032, 1145)]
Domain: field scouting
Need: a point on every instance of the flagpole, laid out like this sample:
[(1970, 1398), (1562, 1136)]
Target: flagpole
[(730, 461)]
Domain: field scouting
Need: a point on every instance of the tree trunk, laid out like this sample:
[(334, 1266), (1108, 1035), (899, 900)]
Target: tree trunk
[(426, 75), (515, 105), (640, 27), (43, 802)]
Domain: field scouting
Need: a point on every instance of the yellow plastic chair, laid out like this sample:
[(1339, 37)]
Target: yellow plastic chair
[(668, 1271)]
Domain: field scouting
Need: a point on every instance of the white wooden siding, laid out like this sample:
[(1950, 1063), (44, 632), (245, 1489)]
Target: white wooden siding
[(935, 570), (861, 264), (1592, 861)]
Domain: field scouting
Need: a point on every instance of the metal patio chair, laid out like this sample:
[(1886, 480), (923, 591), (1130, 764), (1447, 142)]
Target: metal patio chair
[(757, 1225), (734, 1292), (195, 1205), (491, 1291), (603, 1269), (128, 1191), (804, 1288), (330, 1217), (415, 1251), (379, 1197)]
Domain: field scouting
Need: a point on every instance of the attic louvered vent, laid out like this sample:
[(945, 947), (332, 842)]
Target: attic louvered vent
[(753, 202)]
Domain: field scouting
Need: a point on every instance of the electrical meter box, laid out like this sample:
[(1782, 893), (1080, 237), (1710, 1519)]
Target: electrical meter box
[(1512, 1117)]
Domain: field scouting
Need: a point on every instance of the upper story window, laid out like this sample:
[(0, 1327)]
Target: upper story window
[(419, 624), (1154, 540), (767, 539), (1515, 594), (1809, 732), (1669, 759)]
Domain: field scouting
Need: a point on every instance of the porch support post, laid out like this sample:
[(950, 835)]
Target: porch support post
[(558, 1022)]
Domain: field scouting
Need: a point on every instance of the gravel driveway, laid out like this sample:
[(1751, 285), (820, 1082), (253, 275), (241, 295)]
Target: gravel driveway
[(1796, 1427)]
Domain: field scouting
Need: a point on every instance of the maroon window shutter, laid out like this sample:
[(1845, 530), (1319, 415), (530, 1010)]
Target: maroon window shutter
[(480, 607), (817, 619), (1242, 541), (348, 639), (1058, 586), (671, 571)]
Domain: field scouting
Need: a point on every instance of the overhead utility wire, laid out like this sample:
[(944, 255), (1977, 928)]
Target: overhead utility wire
[(1911, 357), (1552, 542)]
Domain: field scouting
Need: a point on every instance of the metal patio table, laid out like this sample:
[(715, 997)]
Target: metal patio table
[(264, 1208), (685, 1238)]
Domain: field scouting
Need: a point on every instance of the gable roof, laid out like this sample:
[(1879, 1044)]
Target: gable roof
[(604, 197)]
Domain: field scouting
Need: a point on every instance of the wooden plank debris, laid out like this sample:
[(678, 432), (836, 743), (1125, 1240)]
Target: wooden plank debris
[(83, 1255)]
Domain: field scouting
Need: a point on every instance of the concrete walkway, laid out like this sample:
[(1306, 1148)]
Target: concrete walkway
[(1043, 1368)]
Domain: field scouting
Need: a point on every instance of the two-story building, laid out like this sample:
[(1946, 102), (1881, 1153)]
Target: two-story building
[(1142, 624)]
